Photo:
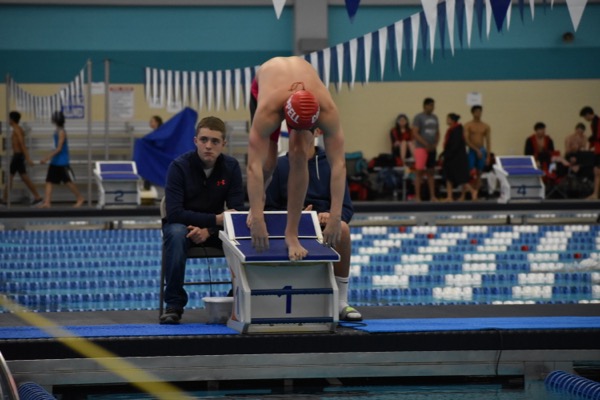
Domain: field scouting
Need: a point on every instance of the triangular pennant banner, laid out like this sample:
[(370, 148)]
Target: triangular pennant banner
[(469, 4), (352, 52), (450, 12), (500, 9), (442, 24), (382, 44), (326, 66), (278, 5), (479, 13), (460, 18), (339, 51), (368, 43), (415, 21), (430, 10), (576, 8), (488, 18), (352, 8)]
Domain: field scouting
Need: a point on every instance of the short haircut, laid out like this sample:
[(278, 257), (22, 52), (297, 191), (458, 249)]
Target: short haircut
[(580, 126), (58, 118), (587, 110), (454, 117), (475, 108), (158, 119), (428, 101), (15, 116), (212, 123), (539, 125)]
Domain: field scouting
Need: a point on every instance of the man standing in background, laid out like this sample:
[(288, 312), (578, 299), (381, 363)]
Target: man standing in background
[(477, 133)]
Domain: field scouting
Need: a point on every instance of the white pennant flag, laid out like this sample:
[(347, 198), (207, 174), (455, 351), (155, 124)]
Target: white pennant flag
[(430, 10), (469, 19), (74, 96), (247, 85), (339, 49), (201, 90), (508, 14), (169, 89), (163, 91), (219, 89), (154, 96), (399, 37), (185, 99), (450, 10), (314, 60), (488, 17), (177, 84), (278, 5), (532, 8), (193, 90), (237, 88), (415, 20), (368, 51), (210, 92), (227, 88), (382, 48), (148, 84), (576, 8), (326, 66), (353, 53)]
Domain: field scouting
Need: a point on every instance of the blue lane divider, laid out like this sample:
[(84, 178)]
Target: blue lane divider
[(563, 382)]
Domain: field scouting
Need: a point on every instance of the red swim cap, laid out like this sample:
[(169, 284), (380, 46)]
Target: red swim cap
[(301, 110)]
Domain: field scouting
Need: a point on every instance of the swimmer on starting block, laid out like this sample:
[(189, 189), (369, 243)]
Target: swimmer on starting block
[(289, 88)]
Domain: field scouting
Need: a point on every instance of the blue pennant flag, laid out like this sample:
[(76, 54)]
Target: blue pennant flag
[(352, 8), (499, 9), (441, 9), (334, 65), (393, 46), (347, 63), (321, 64), (460, 18), (424, 33), (360, 58), (521, 8), (376, 53), (408, 38), (479, 13)]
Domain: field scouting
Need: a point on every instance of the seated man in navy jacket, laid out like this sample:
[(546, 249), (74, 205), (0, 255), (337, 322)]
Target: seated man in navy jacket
[(318, 198), (201, 185)]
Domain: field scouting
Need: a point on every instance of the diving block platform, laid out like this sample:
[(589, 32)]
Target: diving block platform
[(273, 294), (520, 178), (118, 184)]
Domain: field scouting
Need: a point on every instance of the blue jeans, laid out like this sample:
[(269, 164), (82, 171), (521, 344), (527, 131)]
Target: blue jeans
[(176, 247)]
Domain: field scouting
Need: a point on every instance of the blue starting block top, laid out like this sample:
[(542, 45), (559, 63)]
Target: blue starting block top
[(519, 165), (309, 234), (116, 170), (278, 251)]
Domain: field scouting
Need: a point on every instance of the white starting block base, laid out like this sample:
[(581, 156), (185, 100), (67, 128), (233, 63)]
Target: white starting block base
[(273, 294), (118, 184), (519, 178)]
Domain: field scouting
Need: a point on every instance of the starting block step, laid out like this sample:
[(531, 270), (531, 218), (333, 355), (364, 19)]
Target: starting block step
[(273, 294)]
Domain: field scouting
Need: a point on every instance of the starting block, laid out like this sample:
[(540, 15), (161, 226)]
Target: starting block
[(273, 294), (118, 183), (520, 179)]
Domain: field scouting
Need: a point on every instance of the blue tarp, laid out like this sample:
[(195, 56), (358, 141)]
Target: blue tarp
[(154, 152)]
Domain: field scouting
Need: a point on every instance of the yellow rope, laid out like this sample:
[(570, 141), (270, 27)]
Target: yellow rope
[(139, 378)]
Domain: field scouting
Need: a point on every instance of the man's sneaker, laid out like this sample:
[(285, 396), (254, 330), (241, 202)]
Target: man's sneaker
[(37, 202), (171, 316), (350, 314)]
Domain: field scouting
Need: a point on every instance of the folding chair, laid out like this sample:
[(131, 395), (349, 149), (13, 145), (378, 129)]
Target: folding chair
[(197, 251)]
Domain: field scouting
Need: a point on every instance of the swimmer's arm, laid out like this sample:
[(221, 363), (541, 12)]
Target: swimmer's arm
[(20, 139), (488, 140)]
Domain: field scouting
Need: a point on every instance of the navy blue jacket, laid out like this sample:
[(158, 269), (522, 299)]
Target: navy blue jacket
[(318, 193), (194, 199)]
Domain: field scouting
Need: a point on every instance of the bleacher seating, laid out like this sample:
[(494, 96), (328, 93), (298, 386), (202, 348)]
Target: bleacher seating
[(82, 270)]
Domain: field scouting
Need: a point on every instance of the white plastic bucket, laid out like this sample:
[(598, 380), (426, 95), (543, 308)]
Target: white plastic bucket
[(218, 309)]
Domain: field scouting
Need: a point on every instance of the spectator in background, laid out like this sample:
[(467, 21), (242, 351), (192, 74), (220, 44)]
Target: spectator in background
[(426, 132), (403, 145), (200, 183), (478, 137), (19, 161), (456, 164), (540, 146), (318, 198), (588, 114), (155, 122), (59, 170), (574, 143)]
